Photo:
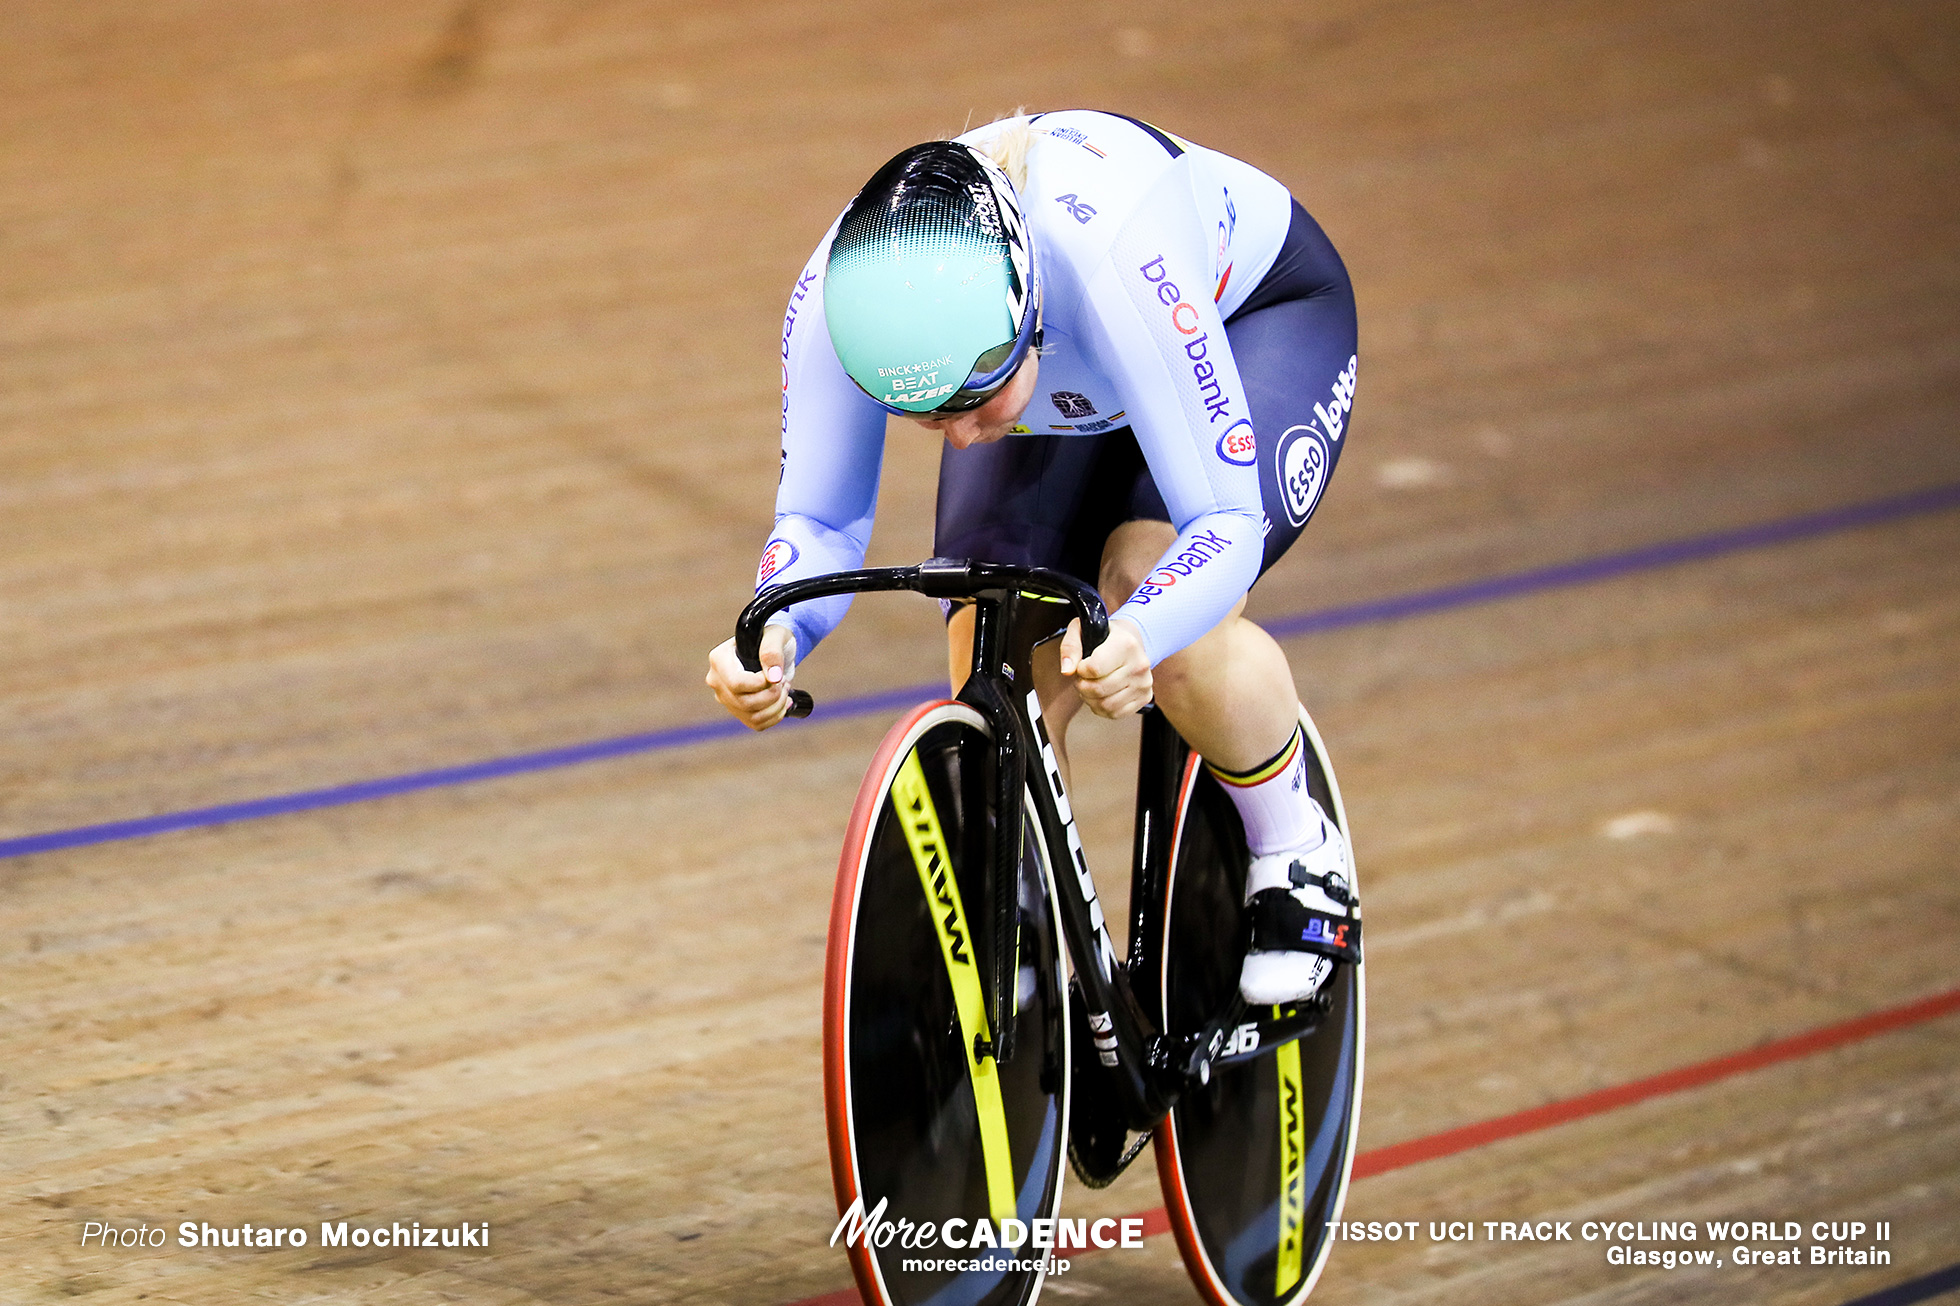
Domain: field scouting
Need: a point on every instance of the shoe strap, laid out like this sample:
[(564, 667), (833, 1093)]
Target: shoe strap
[(1333, 884), (1281, 924)]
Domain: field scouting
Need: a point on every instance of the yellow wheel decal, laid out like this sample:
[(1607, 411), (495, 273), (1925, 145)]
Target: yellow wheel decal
[(1292, 1168), (913, 803)]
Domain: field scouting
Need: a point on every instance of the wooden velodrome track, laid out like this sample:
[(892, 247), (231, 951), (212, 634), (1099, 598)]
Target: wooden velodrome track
[(386, 387)]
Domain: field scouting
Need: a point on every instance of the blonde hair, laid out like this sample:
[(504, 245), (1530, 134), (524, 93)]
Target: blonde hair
[(1009, 146)]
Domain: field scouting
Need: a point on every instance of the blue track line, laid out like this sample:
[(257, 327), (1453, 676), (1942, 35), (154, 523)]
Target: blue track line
[(1924, 1288), (1938, 498), (1606, 566)]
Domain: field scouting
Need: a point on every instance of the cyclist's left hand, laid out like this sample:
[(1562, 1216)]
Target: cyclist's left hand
[(1114, 680)]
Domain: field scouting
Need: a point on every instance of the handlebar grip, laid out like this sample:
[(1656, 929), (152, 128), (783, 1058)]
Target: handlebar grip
[(748, 651), (1095, 626), (748, 643)]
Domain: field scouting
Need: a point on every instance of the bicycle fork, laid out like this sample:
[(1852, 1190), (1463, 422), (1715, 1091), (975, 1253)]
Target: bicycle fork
[(1005, 843)]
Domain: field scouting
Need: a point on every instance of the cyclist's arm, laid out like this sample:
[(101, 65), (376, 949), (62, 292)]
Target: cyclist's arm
[(1151, 325), (833, 445)]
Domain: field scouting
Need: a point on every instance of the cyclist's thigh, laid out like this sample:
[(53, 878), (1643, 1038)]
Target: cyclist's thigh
[(1294, 343), (1041, 500)]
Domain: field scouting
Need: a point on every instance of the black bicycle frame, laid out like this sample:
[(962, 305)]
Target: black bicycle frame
[(1015, 610)]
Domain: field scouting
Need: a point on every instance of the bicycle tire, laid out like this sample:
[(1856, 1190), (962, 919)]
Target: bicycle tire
[(904, 1100), (1256, 1163)]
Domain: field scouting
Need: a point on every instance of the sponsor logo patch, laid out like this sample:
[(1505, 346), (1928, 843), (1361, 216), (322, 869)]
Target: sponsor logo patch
[(1070, 404), (776, 555), (796, 299), (1303, 462), (1074, 137), (1221, 268), (1323, 931), (1185, 320), (910, 369), (1333, 415), (1096, 427), (1078, 210), (1013, 230), (1237, 446), (1290, 1256), (1202, 549)]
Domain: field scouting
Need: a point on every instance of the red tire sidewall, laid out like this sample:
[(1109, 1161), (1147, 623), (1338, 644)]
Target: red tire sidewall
[(1170, 1174), (837, 974)]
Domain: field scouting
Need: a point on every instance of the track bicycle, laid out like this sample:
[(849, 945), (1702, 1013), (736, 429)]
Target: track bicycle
[(978, 1023)]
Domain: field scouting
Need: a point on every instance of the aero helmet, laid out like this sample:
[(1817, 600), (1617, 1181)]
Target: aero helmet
[(930, 292)]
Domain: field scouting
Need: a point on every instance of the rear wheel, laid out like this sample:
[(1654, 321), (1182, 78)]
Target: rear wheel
[(917, 1123), (1255, 1163)]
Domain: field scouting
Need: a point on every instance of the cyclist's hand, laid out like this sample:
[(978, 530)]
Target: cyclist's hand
[(758, 699), (1114, 680)]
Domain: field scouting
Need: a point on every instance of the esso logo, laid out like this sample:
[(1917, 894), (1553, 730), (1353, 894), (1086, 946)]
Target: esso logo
[(1303, 467), (1237, 445), (776, 555)]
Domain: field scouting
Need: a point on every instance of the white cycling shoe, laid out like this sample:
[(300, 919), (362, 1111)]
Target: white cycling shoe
[(1304, 919)]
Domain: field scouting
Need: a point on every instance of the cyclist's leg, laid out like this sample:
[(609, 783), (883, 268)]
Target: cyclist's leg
[(1230, 693), (1273, 1135)]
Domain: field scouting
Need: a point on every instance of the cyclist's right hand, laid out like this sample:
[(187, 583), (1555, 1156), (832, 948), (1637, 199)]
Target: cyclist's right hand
[(758, 699)]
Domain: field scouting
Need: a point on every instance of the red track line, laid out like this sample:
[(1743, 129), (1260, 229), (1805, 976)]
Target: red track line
[(1451, 1141)]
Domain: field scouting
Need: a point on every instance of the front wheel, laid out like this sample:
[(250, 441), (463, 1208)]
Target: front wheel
[(1254, 1164), (922, 1131)]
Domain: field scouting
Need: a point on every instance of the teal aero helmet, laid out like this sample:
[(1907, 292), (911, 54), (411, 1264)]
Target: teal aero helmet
[(930, 291)]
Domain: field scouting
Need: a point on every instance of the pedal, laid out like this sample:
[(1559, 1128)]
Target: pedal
[(1177, 1061)]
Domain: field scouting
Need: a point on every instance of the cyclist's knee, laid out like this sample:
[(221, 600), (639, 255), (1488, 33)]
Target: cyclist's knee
[(1203, 662), (1173, 677), (1130, 554), (959, 645), (1059, 701)]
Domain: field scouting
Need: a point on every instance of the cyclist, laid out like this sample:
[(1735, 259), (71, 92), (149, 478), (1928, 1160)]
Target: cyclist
[(1140, 354)]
